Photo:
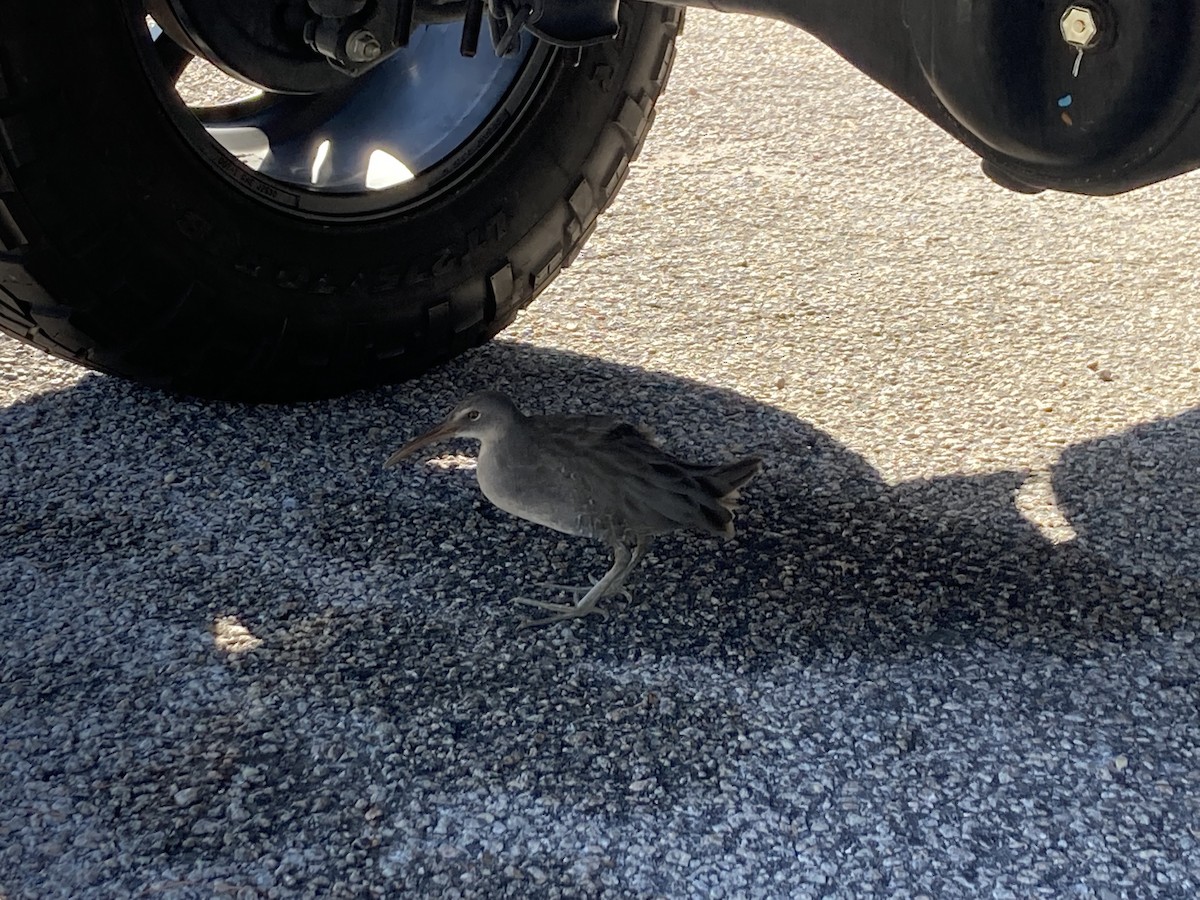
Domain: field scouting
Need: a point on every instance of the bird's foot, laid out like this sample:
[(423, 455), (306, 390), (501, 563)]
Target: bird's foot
[(583, 589), (561, 611)]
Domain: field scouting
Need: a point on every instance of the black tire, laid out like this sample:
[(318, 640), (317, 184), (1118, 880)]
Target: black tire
[(126, 250)]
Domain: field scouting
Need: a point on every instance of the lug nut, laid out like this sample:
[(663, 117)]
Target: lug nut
[(362, 46), (1078, 26)]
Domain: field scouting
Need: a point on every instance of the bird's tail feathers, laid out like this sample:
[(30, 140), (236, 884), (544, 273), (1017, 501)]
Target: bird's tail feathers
[(729, 479), (726, 482)]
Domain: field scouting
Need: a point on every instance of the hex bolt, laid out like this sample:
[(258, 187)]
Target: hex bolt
[(1078, 27), (362, 46)]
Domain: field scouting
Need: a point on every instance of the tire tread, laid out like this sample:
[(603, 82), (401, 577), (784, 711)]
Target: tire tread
[(178, 339)]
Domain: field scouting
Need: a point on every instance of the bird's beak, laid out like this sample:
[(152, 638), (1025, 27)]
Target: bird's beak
[(433, 435)]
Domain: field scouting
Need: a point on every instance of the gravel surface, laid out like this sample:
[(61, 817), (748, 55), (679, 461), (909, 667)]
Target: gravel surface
[(953, 651)]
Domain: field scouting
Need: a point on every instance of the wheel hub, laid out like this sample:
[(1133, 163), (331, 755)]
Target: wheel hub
[(313, 46)]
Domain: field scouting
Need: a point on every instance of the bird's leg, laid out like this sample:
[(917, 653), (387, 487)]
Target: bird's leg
[(587, 603), (582, 588), (639, 551)]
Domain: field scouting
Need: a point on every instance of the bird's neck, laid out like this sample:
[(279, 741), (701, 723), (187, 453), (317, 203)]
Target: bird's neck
[(507, 440)]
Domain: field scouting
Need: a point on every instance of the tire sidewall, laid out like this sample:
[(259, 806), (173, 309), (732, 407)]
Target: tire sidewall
[(127, 217)]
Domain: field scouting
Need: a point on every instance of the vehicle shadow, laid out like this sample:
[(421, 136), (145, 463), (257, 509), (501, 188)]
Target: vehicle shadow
[(209, 590)]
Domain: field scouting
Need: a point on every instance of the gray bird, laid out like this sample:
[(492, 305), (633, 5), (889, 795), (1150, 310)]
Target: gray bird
[(593, 476)]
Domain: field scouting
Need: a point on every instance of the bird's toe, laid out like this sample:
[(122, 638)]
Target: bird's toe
[(566, 588), (583, 589), (560, 612)]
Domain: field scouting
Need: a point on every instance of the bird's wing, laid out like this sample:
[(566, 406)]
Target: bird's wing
[(590, 428), (648, 489)]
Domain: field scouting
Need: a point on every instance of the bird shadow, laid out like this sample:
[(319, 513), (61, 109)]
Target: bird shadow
[(155, 543), (828, 556)]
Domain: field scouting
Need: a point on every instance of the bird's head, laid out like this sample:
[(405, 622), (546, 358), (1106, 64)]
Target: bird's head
[(481, 416)]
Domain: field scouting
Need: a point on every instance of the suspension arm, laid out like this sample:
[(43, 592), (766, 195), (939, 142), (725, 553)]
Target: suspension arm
[(1087, 96)]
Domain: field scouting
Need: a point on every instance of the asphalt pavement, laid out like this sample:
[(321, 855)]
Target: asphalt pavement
[(952, 651)]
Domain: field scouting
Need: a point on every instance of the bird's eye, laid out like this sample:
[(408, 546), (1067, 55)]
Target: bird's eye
[(473, 415)]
